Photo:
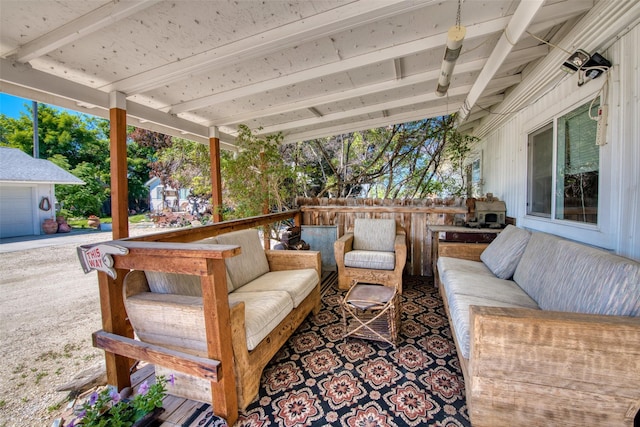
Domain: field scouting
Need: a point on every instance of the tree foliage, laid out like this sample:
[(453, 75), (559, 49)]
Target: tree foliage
[(257, 180), (400, 161)]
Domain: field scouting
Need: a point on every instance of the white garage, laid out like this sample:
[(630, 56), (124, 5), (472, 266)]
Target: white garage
[(27, 192)]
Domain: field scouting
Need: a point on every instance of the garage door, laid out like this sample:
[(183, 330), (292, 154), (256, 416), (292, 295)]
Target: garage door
[(16, 211)]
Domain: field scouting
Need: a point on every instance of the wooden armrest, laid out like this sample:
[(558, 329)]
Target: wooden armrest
[(540, 367), (400, 248), (340, 247), (294, 260)]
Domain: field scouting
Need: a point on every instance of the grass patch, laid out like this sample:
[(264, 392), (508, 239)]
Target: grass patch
[(55, 406), (40, 375), (3, 403), (82, 222), (18, 369)]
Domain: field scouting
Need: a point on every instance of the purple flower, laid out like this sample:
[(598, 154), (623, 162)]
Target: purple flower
[(72, 423), (114, 395), (81, 415), (93, 398), (172, 379), (143, 389)]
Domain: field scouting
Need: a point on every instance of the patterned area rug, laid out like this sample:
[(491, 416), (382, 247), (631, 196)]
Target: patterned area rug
[(318, 378)]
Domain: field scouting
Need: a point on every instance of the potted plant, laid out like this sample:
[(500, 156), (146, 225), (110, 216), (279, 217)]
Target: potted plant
[(108, 408), (93, 221)]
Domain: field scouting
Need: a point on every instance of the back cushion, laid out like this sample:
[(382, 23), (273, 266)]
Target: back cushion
[(251, 263), (593, 281), (538, 270), (503, 254), (180, 284), (374, 234), (174, 283)]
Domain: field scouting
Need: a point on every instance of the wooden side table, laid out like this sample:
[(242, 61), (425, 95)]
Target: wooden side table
[(460, 244)]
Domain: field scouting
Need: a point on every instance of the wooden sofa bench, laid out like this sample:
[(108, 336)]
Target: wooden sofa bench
[(547, 332), (270, 293)]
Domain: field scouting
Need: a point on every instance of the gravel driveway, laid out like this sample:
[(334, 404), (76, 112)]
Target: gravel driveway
[(48, 310)]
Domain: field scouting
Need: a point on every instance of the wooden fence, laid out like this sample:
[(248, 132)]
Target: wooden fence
[(413, 215)]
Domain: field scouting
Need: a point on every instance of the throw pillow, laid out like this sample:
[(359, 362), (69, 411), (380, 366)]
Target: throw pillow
[(503, 254)]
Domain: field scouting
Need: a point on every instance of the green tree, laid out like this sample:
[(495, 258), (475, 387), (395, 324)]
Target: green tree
[(257, 179), (400, 161)]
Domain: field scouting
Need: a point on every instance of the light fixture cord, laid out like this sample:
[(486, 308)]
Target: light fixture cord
[(458, 14)]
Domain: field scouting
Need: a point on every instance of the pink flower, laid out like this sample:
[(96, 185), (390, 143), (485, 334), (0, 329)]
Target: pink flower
[(143, 389)]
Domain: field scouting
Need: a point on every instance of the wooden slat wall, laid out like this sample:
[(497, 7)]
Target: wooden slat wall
[(413, 215)]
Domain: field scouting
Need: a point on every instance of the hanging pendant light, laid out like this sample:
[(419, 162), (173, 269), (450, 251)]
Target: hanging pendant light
[(455, 37)]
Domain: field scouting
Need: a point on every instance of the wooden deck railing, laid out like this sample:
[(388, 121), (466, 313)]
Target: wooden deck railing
[(173, 252), (414, 215)]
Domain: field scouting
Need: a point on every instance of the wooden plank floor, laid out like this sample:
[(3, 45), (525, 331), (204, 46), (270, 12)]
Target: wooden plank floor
[(177, 410)]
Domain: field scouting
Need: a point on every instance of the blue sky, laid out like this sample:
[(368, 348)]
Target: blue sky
[(12, 106)]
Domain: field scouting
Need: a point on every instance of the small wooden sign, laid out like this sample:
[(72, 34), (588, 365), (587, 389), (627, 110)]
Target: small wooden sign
[(99, 258)]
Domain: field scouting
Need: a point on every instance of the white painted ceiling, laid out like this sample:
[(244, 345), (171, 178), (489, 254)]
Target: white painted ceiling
[(307, 68)]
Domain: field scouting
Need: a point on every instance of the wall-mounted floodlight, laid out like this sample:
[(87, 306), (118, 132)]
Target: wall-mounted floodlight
[(575, 61), (455, 36)]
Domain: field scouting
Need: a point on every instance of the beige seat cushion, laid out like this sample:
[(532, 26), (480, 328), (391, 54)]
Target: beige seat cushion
[(263, 312), (374, 260), (177, 321), (297, 283)]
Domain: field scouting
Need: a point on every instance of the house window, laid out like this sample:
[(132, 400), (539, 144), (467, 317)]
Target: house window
[(573, 173), (540, 172)]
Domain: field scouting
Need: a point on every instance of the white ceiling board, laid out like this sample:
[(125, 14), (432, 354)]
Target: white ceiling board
[(306, 67)]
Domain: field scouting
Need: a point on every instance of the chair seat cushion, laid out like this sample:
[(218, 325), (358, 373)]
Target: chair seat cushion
[(297, 283), (374, 260)]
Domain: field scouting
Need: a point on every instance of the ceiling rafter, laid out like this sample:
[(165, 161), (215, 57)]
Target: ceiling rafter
[(517, 59), (358, 61), (338, 19), (345, 94), (86, 24), (548, 70), (521, 19), (45, 87), (448, 108), (367, 109)]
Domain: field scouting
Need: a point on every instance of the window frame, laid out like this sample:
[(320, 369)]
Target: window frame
[(595, 234)]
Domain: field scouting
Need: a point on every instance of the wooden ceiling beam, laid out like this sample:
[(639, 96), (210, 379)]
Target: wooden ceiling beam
[(86, 24), (447, 108), (368, 109), (522, 18), (359, 61), (338, 19), (467, 67)]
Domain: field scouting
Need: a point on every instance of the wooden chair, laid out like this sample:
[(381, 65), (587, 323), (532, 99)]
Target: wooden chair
[(375, 252)]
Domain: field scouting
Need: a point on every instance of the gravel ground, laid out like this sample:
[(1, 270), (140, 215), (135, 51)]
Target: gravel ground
[(48, 310)]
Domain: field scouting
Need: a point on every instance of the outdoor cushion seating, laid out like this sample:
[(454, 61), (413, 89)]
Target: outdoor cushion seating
[(546, 329), (270, 295), (375, 252)]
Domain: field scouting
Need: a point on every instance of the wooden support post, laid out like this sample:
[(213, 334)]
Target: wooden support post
[(265, 202), (216, 180), (114, 320), (218, 329), (118, 150)]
